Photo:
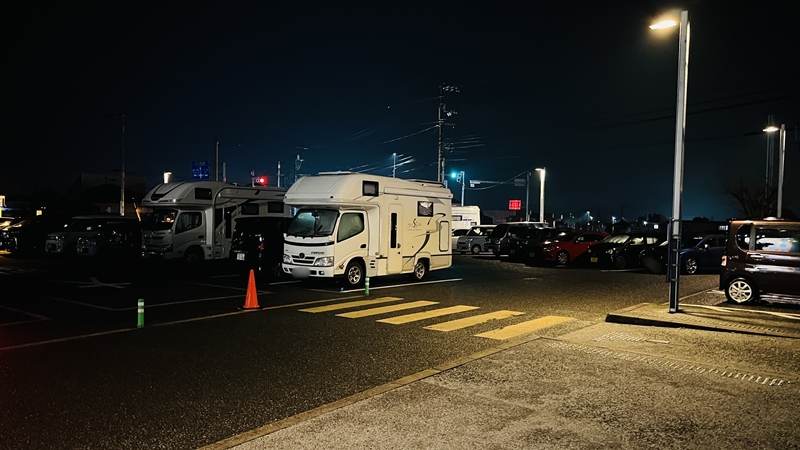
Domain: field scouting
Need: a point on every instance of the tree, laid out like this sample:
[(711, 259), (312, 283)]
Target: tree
[(753, 198)]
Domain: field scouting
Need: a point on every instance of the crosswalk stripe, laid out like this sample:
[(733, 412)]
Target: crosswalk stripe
[(386, 309), (347, 305), (427, 314), (524, 327), (474, 320)]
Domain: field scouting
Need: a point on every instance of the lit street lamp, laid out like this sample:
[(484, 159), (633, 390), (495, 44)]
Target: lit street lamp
[(680, 138), (772, 129), (541, 193)]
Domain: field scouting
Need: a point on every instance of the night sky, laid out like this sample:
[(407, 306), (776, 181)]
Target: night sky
[(584, 89)]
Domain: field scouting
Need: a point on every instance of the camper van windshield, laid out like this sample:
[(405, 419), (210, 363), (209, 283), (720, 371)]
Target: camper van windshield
[(313, 222), (160, 219)]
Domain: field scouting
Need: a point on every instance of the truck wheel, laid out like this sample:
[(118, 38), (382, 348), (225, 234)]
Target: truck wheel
[(475, 249), (354, 274), (741, 290), (562, 257), (420, 270), (193, 257)]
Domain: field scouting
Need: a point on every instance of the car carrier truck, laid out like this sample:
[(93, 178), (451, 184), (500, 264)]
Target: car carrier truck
[(351, 225), (193, 221)]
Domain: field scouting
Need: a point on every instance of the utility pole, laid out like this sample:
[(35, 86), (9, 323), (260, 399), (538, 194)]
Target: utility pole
[(279, 174), (394, 164), (216, 159), (297, 163), (442, 114), (122, 172)]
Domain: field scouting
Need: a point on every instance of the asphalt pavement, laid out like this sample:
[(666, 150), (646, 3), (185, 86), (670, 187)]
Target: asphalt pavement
[(564, 392)]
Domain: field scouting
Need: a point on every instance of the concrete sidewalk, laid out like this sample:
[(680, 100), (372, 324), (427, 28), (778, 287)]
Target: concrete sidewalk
[(714, 318)]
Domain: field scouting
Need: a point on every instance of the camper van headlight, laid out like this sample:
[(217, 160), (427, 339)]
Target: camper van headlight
[(325, 261), (287, 259)]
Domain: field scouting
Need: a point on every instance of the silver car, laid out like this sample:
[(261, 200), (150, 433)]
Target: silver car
[(474, 240)]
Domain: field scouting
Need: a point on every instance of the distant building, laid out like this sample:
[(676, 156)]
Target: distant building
[(102, 193)]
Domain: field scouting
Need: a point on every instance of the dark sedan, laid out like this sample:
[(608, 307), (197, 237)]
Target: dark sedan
[(28, 236), (621, 251), (257, 244), (698, 253), (521, 241)]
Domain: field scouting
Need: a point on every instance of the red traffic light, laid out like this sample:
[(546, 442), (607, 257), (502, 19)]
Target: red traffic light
[(260, 181)]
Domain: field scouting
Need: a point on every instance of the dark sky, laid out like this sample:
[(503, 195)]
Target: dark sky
[(583, 89)]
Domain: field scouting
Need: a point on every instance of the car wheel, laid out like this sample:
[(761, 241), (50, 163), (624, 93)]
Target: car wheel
[(690, 266), (354, 274), (741, 290), (475, 249), (619, 262), (420, 270), (193, 256), (562, 257)]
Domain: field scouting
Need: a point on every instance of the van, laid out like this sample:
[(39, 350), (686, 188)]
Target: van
[(762, 260), (474, 240)]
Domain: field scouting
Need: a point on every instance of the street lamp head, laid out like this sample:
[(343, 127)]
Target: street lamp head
[(770, 129), (669, 23)]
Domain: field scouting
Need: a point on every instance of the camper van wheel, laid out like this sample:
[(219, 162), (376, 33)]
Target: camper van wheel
[(354, 274), (193, 256), (420, 269)]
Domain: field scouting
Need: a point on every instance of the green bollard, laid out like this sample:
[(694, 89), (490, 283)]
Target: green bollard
[(366, 285), (140, 322)]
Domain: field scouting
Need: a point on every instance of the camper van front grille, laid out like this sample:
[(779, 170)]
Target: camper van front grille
[(303, 259)]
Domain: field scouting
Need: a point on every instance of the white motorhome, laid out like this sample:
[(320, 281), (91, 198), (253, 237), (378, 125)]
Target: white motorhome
[(466, 217), (193, 220), (350, 225)]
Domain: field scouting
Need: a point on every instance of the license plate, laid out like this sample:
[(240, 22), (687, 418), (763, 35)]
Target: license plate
[(240, 256), (593, 259), (83, 250), (511, 252)]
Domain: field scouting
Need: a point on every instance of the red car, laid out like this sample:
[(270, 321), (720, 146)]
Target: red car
[(566, 247)]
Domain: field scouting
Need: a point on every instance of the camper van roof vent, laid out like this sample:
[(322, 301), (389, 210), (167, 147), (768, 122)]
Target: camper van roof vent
[(340, 172)]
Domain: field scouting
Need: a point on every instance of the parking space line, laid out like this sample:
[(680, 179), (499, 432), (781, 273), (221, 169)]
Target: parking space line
[(348, 305), (27, 313), (413, 283), (474, 320), (386, 309), (427, 315), (524, 327), (771, 313)]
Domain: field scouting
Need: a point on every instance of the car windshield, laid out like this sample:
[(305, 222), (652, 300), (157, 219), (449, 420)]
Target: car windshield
[(313, 222), (499, 231), (478, 231), (160, 219), (86, 225), (616, 239)]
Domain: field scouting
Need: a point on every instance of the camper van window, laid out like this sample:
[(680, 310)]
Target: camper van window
[(350, 225), (425, 209), (313, 222), (188, 221), (369, 188), (202, 193), (393, 243), (249, 209), (275, 207)]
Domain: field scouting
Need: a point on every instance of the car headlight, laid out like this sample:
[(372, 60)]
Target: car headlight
[(548, 249), (287, 259), (610, 251), (325, 261)]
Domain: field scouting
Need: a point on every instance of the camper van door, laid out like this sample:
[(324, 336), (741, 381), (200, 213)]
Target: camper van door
[(395, 263)]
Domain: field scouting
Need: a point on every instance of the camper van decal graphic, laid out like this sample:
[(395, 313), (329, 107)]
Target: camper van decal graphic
[(429, 230)]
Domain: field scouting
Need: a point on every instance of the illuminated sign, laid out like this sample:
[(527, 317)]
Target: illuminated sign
[(515, 205)]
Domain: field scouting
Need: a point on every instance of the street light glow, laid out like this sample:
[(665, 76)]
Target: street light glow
[(771, 129), (663, 24)]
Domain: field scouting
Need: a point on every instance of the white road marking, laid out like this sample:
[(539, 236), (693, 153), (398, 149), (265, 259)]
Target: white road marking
[(413, 283)]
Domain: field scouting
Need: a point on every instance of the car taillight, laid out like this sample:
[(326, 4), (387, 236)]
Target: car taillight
[(261, 246), (724, 260)]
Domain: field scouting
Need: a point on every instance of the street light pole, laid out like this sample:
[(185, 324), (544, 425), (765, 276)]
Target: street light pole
[(541, 193), (122, 172), (677, 183), (782, 138), (527, 195)]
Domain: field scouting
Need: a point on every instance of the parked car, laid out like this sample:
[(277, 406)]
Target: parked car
[(474, 241), (497, 241), (523, 239), (698, 253), (115, 240), (65, 242), (566, 247), (257, 244), (28, 237), (762, 260), (621, 251), (457, 234)]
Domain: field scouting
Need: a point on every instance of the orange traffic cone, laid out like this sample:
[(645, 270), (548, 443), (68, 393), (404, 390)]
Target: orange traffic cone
[(251, 300)]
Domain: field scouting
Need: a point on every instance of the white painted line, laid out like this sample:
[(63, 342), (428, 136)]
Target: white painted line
[(771, 313), (386, 309), (284, 282), (413, 283), (622, 270), (19, 311), (225, 276)]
